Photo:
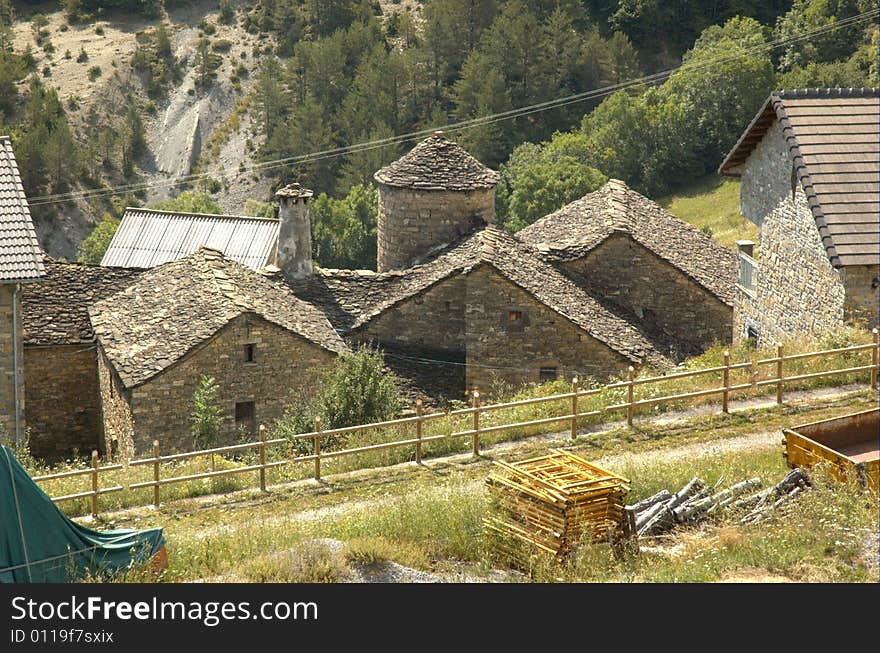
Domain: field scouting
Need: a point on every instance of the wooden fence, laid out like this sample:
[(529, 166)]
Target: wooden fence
[(477, 429)]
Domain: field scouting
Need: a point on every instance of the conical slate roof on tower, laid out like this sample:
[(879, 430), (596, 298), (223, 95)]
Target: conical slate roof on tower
[(438, 163)]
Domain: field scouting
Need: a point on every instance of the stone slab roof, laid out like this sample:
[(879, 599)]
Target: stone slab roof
[(171, 309), (438, 164), (354, 298), (21, 258), (833, 136), (579, 227), (148, 237), (55, 309)]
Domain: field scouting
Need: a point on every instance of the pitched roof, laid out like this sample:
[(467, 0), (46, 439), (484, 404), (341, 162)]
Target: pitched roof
[(438, 164), (579, 227), (55, 309), (170, 309), (148, 237), (21, 258), (833, 136), (353, 299)]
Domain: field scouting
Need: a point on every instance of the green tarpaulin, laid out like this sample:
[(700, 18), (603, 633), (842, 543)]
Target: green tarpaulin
[(39, 544)]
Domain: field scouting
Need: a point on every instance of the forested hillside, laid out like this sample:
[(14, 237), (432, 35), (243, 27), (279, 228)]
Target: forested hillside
[(247, 84)]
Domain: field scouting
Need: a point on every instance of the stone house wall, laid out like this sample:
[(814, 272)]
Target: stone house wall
[(284, 365), (432, 322), (64, 408), (542, 338), (412, 222), (7, 360), (862, 286), (766, 176), (797, 290), (664, 299), (118, 431)]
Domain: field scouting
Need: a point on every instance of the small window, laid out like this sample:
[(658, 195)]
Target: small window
[(448, 305), (245, 416), (546, 374), (514, 316), (250, 351)]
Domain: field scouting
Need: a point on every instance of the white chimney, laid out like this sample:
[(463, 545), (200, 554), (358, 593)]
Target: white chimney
[(294, 255)]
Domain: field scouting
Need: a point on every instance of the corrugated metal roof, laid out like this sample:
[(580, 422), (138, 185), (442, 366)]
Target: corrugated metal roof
[(834, 137), (148, 237), (20, 256)]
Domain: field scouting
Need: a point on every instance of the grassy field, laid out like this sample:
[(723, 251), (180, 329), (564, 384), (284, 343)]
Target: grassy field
[(429, 517), (712, 202)]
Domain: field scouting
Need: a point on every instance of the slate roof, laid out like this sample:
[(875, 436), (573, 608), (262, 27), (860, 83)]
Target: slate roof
[(579, 227), (172, 308), (55, 309), (353, 298), (21, 258), (438, 164), (148, 237), (833, 136)]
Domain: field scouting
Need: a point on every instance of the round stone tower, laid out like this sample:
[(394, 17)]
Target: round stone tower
[(429, 197)]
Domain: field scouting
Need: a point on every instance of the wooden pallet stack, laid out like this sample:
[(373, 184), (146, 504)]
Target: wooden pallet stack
[(550, 504)]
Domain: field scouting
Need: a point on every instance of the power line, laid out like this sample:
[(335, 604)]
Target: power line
[(451, 127)]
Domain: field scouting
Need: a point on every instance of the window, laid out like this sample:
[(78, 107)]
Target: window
[(515, 316), (448, 305), (245, 416), (250, 351), (546, 374)]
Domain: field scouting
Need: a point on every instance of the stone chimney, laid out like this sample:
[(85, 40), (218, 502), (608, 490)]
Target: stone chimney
[(294, 255)]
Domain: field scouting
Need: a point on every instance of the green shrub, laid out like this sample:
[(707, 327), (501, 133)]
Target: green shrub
[(206, 414), (94, 73)]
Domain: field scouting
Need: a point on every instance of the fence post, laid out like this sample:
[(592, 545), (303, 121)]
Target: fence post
[(726, 376), (155, 473), (574, 408), (317, 449), (779, 374), (94, 483), (875, 352), (418, 431), (476, 423), (262, 457), (630, 396)]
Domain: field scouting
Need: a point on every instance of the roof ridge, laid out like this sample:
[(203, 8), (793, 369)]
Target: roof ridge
[(827, 91), (198, 215)]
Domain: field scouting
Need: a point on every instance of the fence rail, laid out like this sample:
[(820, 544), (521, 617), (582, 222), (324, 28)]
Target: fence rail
[(721, 386)]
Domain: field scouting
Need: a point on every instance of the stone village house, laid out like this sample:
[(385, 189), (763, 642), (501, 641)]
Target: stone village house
[(611, 280), (810, 169)]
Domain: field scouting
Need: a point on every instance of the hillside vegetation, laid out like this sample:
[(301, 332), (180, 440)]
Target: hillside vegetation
[(712, 204), (136, 93)]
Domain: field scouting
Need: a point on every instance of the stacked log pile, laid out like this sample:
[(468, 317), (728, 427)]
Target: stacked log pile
[(696, 502), (552, 503)]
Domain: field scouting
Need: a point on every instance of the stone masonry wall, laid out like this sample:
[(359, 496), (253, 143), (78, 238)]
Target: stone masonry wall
[(766, 176), (797, 289), (862, 284), (433, 321), (665, 300), (542, 338), (64, 409), (412, 222), (282, 368), (7, 361), (118, 431)]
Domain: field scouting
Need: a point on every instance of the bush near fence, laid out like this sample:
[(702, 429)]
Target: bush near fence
[(711, 378)]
